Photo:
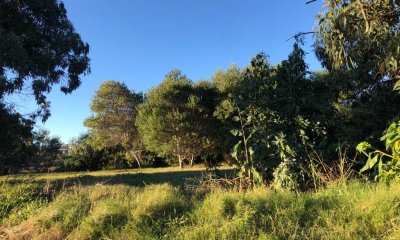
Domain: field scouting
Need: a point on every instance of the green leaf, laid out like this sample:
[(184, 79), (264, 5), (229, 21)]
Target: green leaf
[(256, 175), (371, 162), (235, 150), (251, 151), (236, 132), (363, 147), (397, 86)]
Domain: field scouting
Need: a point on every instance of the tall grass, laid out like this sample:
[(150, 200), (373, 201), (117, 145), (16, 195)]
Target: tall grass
[(347, 210)]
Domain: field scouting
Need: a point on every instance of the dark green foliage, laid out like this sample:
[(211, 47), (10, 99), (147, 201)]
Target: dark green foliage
[(176, 120), (359, 42), (47, 148), (15, 140), (275, 114), (388, 163), (39, 47), (83, 155)]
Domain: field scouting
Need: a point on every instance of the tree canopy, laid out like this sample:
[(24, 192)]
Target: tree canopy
[(177, 118), (114, 109), (362, 35), (39, 48)]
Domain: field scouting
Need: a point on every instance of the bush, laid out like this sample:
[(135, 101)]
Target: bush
[(387, 163), (288, 176)]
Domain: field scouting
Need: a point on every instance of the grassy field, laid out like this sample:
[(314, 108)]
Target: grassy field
[(134, 177), (167, 204)]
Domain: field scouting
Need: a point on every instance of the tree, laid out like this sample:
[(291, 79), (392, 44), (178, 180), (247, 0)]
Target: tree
[(363, 36), (272, 113), (82, 156), (243, 112), (176, 118), (227, 81), (207, 131), (113, 122), (47, 147), (15, 141), (39, 47)]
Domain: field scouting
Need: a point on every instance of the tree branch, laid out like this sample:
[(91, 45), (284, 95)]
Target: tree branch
[(300, 34), (311, 1)]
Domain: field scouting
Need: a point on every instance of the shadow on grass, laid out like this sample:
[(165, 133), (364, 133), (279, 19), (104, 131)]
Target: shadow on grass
[(140, 179)]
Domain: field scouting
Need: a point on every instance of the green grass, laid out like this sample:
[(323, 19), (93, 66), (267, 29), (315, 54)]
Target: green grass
[(102, 206)]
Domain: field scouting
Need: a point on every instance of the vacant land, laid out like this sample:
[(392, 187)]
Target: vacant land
[(166, 203)]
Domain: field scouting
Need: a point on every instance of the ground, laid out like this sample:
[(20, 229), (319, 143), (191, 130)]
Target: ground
[(171, 203)]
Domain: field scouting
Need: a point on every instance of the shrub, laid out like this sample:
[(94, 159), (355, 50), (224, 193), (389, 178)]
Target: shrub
[(288, 176), (387, 163)]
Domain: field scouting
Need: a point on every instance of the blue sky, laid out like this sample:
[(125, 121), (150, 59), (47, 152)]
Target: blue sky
[(139, 41)]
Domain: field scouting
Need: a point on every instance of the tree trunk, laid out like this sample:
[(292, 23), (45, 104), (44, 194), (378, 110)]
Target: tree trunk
[(191, 160), (180, 161), (136, 159)]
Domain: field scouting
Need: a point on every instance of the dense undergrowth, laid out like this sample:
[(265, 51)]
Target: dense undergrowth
[(48, 210)]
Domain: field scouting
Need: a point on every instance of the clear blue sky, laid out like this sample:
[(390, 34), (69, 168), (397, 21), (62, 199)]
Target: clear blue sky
[(139, 41)]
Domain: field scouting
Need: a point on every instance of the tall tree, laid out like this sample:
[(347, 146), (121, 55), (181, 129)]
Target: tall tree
[(364, 36), (113, 122), (39, 47), (176, 118), (359, 42)]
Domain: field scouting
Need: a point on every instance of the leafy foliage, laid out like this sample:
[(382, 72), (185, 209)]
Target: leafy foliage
[(387, 163), (363, 35), (113, 123), (84, 155), (273, 112), (47, 148), (39, 47), (176, 118), (15, 140), (360, 39), (288, 176)]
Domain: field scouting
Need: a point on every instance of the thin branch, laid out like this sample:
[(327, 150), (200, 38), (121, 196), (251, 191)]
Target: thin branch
[(311, 1), (300, 34)]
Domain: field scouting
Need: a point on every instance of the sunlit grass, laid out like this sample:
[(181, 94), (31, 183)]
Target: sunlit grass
[(43, 210), (65, 175)]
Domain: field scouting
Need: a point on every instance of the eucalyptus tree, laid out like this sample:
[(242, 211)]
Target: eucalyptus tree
[(362, 35), (358, 42), (361, 39), (114, 109)]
